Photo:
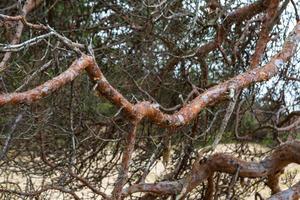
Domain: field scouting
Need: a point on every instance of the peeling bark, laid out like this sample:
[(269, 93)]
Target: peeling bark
[(48, 87), (151, 111), (204, 169), (210, 97)]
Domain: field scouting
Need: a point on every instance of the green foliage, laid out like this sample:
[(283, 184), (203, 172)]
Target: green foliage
[(248, 121), (267, 141), (3, 120), (298, 136), (105, 108)]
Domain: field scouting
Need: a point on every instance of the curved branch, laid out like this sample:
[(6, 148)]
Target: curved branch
[(48, 87), (151, 111), (285, 154), (23, 20), (288, 118), (210, 97), (295, 125), (237, 16)]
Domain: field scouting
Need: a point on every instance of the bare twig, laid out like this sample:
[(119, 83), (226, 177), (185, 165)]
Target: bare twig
[(28, 43), (31, 77), (10, 136)]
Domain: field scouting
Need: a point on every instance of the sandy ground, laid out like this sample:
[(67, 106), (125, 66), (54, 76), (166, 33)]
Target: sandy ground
[(157, 171)]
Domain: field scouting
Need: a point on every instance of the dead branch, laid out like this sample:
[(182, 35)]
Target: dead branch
[(202, 169), (28, 43), (39, 192)]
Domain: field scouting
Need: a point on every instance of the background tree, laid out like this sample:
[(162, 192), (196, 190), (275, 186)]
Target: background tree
[(93, 94)]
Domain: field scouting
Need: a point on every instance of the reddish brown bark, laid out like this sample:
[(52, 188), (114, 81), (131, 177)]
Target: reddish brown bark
[(237, 16), (273, 182), (48, 87), (210, 188), (151, 111), (105, 89), (268, 23), (135, 112), (248, 11), (191, 110)]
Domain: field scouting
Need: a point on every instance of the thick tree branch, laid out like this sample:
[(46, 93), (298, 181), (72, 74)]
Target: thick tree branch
[(268, 23), (285, 154), (237, 16), (203, 168), (151, 111), (294, 125), (48, 87)]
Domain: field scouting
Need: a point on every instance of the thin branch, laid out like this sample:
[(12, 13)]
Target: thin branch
[(39, 192), (24, 21), (295, 125), (296, 11), (31, 77), (126, 158), (235, 176), (28, 43), (225, 121), (10, 135)]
